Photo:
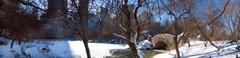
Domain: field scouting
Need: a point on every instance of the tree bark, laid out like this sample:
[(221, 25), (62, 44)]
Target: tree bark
[(83, 13), (176, 46), (129, 32), (133, 49)]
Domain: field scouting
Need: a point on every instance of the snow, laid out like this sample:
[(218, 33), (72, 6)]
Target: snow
[(198, 50), (144, 45), (76, 49), (57, 49), (97, 50)]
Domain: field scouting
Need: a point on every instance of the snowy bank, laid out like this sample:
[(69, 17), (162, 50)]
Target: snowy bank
[(198, 50), (37, 49), (57, 49)]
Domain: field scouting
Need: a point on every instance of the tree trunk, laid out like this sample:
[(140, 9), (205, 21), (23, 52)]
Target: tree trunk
[(129, 32), (83, 12), (85, 42), (133, 49), (175, 39)]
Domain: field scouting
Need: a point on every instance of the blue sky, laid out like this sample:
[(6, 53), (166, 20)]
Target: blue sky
[(200, 4)]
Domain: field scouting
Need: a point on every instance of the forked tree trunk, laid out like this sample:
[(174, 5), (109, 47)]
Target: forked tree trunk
[(130, 40)]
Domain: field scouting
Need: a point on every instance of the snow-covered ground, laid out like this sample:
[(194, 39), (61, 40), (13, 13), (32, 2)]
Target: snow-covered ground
[(97, 50), (75, 49), (37, 49), (198, 50), (57, 49)]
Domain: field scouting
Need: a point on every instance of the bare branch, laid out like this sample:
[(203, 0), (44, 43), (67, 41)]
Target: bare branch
[(225, 6), (120, 36), (30, 4), (121, 26), (180, 37), (170, 11)]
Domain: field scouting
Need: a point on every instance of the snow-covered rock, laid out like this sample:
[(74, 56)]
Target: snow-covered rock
[(144, 45)]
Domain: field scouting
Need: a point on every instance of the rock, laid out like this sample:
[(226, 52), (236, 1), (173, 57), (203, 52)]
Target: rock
[(144, 45), (164, 41), (238, 48)]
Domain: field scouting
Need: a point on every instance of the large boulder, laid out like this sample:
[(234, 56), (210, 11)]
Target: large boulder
[(164, 41)]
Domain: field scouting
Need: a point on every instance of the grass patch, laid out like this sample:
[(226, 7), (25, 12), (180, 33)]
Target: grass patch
[(147, 54)]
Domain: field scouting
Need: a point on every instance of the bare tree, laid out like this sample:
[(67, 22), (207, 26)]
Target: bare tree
[(131, 40), (173, 12), (211, 27), (82, 14), (176, 17)]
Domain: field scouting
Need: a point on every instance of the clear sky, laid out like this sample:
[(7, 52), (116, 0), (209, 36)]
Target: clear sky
[(200, 4)]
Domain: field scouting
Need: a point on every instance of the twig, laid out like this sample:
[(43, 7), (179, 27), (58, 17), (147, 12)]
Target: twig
[(30, 4), (225, 6)]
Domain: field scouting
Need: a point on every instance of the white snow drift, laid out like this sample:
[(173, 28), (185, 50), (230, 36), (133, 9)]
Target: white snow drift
[(198, 50)]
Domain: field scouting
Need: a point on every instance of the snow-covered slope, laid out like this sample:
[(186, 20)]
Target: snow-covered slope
[(198, 50)]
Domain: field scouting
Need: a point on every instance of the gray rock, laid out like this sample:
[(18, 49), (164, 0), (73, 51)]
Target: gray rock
[(164, 41)]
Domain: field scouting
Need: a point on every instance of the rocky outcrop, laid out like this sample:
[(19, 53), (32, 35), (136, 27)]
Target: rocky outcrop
[(164, 41)]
